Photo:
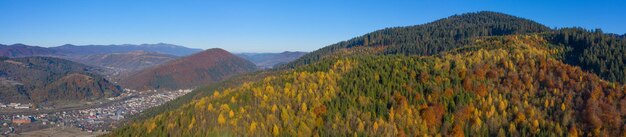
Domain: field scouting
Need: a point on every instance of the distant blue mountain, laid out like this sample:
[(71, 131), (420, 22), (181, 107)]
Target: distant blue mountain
[(269, 60), (104, 49)]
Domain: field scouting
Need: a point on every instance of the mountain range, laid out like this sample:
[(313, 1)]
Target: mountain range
[(21, 50), (117, 65), (104, 49), (114, 60), (117, 62)]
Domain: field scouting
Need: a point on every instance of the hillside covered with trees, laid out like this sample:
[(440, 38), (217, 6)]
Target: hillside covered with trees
[(431, 38), (594, 51), (46, 79), (451, 93), (476, 74), (206, 67)]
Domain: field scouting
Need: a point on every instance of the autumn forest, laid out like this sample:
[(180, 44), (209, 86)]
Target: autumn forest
[(474, 74)]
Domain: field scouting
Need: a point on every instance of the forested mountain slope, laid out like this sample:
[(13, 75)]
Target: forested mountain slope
[(484, 74), (431, 38), (594, 51), (45, 79), (451, 93)]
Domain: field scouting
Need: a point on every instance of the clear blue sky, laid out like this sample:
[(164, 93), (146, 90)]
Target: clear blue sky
[(265, 26)]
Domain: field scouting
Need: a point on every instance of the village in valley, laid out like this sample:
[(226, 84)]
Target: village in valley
[(28, 117)]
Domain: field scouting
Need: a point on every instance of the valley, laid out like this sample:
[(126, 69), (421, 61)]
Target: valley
[(35, 114), (95, 117)]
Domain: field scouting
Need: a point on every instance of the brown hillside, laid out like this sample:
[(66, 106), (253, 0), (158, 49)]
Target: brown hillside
[(46, 79), (78, 85), (199, 69)]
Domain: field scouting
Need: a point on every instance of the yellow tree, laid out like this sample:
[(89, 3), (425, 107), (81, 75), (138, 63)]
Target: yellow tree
[(275, 131), (221, 120)]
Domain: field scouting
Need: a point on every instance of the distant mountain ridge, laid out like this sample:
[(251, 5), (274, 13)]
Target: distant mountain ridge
[(119, 64), (192, 71), (269, 60), (115, 60), (103, 49), (46, 79), (22, 50)]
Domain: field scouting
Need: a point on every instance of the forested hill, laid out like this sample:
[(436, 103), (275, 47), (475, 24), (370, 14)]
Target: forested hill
[(499, 86), (196, 70), (458, 76), (431, 38), (594, 51), (46, 79)]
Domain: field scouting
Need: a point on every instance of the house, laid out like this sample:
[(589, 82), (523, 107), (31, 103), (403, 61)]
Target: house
[(23, 106), (13, 104), (21, 120)]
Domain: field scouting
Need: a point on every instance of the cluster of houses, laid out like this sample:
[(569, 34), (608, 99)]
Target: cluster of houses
[(12, 122), (90, 119), (16, 105)]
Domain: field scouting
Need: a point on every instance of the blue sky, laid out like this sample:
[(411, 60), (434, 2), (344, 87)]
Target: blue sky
[(263, 25)]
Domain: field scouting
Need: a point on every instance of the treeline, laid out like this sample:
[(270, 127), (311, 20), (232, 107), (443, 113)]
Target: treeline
[(594, 51), (500, 86), (431, 38)]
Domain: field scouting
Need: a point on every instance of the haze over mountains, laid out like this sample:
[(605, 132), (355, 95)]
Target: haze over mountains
[(270, 60), (21, 50), (104, 49), (120, 64)]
